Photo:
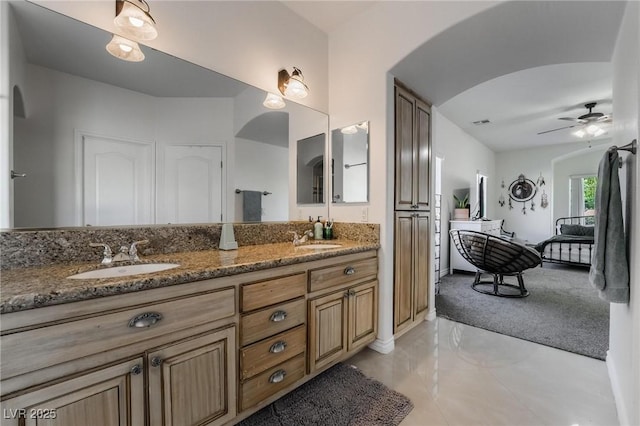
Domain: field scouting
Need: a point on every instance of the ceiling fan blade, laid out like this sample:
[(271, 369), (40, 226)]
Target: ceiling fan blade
[(577, 120), (604, 118), (555, 130)]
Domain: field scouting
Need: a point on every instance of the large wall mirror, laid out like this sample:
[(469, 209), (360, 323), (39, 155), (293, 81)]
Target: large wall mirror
[(108, 142), (350, 163)]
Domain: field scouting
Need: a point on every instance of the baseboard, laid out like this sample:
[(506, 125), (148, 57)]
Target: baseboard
[(431, 315), (383, 346), (623, 417), (444, 272)]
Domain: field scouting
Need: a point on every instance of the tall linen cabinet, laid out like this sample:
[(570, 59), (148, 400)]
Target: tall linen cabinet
[(412, 209)]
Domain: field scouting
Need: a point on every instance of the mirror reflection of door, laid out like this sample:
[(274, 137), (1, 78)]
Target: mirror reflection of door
[(310, 170)]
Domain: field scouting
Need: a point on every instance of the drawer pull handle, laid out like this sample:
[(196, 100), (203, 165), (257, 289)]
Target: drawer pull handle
[(278, 376), (349, 270), (156, 361), (136, 369), (278, 347), (278, 316), (146, 319)]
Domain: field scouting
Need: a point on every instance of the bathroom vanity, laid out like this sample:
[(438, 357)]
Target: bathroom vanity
[(209, 342)]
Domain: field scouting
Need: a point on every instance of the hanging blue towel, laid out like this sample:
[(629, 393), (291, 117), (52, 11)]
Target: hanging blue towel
[(609, 271), (251, 206)]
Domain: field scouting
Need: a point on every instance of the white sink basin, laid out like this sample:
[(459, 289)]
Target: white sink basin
[(123, 271), (319, 246)]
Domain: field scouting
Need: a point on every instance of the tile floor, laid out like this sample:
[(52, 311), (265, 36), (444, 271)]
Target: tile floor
[(461, 375)]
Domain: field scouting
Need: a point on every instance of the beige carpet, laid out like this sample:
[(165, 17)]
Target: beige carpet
[(341, 395)]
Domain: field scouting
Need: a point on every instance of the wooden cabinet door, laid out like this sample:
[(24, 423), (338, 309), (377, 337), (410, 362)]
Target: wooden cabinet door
[(404, 149), (113, 396), (421, 263), (363, 308), (327, 329), (193, 382), (422, 147), (403, 270)]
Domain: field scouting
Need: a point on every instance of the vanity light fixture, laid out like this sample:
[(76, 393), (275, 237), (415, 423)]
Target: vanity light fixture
[(125, 49), (292, 86), (273, 101), (134, 20)]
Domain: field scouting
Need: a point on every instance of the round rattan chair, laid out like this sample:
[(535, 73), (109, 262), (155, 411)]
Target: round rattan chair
[(498, 257)]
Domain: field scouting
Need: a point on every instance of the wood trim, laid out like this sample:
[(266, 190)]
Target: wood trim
[(406, 88)]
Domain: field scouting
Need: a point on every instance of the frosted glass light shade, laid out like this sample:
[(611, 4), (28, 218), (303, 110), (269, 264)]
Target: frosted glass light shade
[(273, 101), (580, 133), (134, 21), (125, 49), (296, 89)]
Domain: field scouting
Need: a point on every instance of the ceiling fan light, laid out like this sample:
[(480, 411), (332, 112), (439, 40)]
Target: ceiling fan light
[(273, 101), (134, 20), (592, 129), (580, 133), (599, 132), (125, 49)]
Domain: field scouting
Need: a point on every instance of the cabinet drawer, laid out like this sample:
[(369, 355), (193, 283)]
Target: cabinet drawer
[(345, 273), (273, 320), (271, 381), (265, 293), (72, 340), (263, 355)]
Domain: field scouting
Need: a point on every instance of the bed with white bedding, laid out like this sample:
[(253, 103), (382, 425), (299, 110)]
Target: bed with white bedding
[(572, 244)]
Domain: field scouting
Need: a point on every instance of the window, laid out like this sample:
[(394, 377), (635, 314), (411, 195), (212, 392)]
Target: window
[(583, 195)]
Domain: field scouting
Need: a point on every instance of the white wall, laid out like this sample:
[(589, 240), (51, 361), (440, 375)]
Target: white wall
[(623, 358), (361, 53), (537, 225), (463, 157)]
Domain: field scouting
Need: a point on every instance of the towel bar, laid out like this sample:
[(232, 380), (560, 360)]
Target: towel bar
[(631, 147), (238, 191)]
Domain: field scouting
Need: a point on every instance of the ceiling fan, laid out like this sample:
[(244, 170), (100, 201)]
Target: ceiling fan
[(585, 119)]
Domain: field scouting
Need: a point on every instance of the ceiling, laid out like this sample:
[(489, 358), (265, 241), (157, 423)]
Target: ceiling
[(520, 64)]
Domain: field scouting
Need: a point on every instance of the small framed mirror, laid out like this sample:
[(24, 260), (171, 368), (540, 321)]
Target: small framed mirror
[(350, 163), (310, 169)]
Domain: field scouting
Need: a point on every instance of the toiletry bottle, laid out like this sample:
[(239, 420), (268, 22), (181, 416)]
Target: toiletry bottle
[(328, 230), (317, 229)]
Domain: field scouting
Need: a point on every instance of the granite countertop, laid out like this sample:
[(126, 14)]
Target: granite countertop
[(36, 287)]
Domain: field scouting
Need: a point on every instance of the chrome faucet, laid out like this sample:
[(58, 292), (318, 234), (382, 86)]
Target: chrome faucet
[(297, 240), (125, 254), (107, 254)]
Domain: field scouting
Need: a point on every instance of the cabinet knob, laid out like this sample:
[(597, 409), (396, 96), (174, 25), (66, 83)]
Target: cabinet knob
[(156, 361), (278, 316), (278, 376), (146, 319), (278, 347), (349, 270), (136, 369)]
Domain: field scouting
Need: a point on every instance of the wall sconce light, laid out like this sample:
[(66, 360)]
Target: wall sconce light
[(273, 101), (134, 20), (292, 86), (125, 49)]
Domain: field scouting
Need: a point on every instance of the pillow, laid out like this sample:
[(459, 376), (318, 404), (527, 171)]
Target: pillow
[(581, 230)]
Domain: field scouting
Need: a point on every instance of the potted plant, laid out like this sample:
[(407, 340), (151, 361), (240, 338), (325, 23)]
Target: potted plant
[(461, 211)]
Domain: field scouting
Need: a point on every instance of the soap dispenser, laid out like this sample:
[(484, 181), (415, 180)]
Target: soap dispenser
[(317, 229)]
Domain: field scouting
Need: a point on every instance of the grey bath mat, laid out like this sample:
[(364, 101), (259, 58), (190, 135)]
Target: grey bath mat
[(341, 395)]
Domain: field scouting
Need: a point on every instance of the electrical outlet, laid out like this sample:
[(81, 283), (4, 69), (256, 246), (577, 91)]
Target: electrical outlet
[(365, 214)]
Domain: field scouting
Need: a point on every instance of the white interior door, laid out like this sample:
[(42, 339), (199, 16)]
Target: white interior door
[(190, 184), (117, 181)]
